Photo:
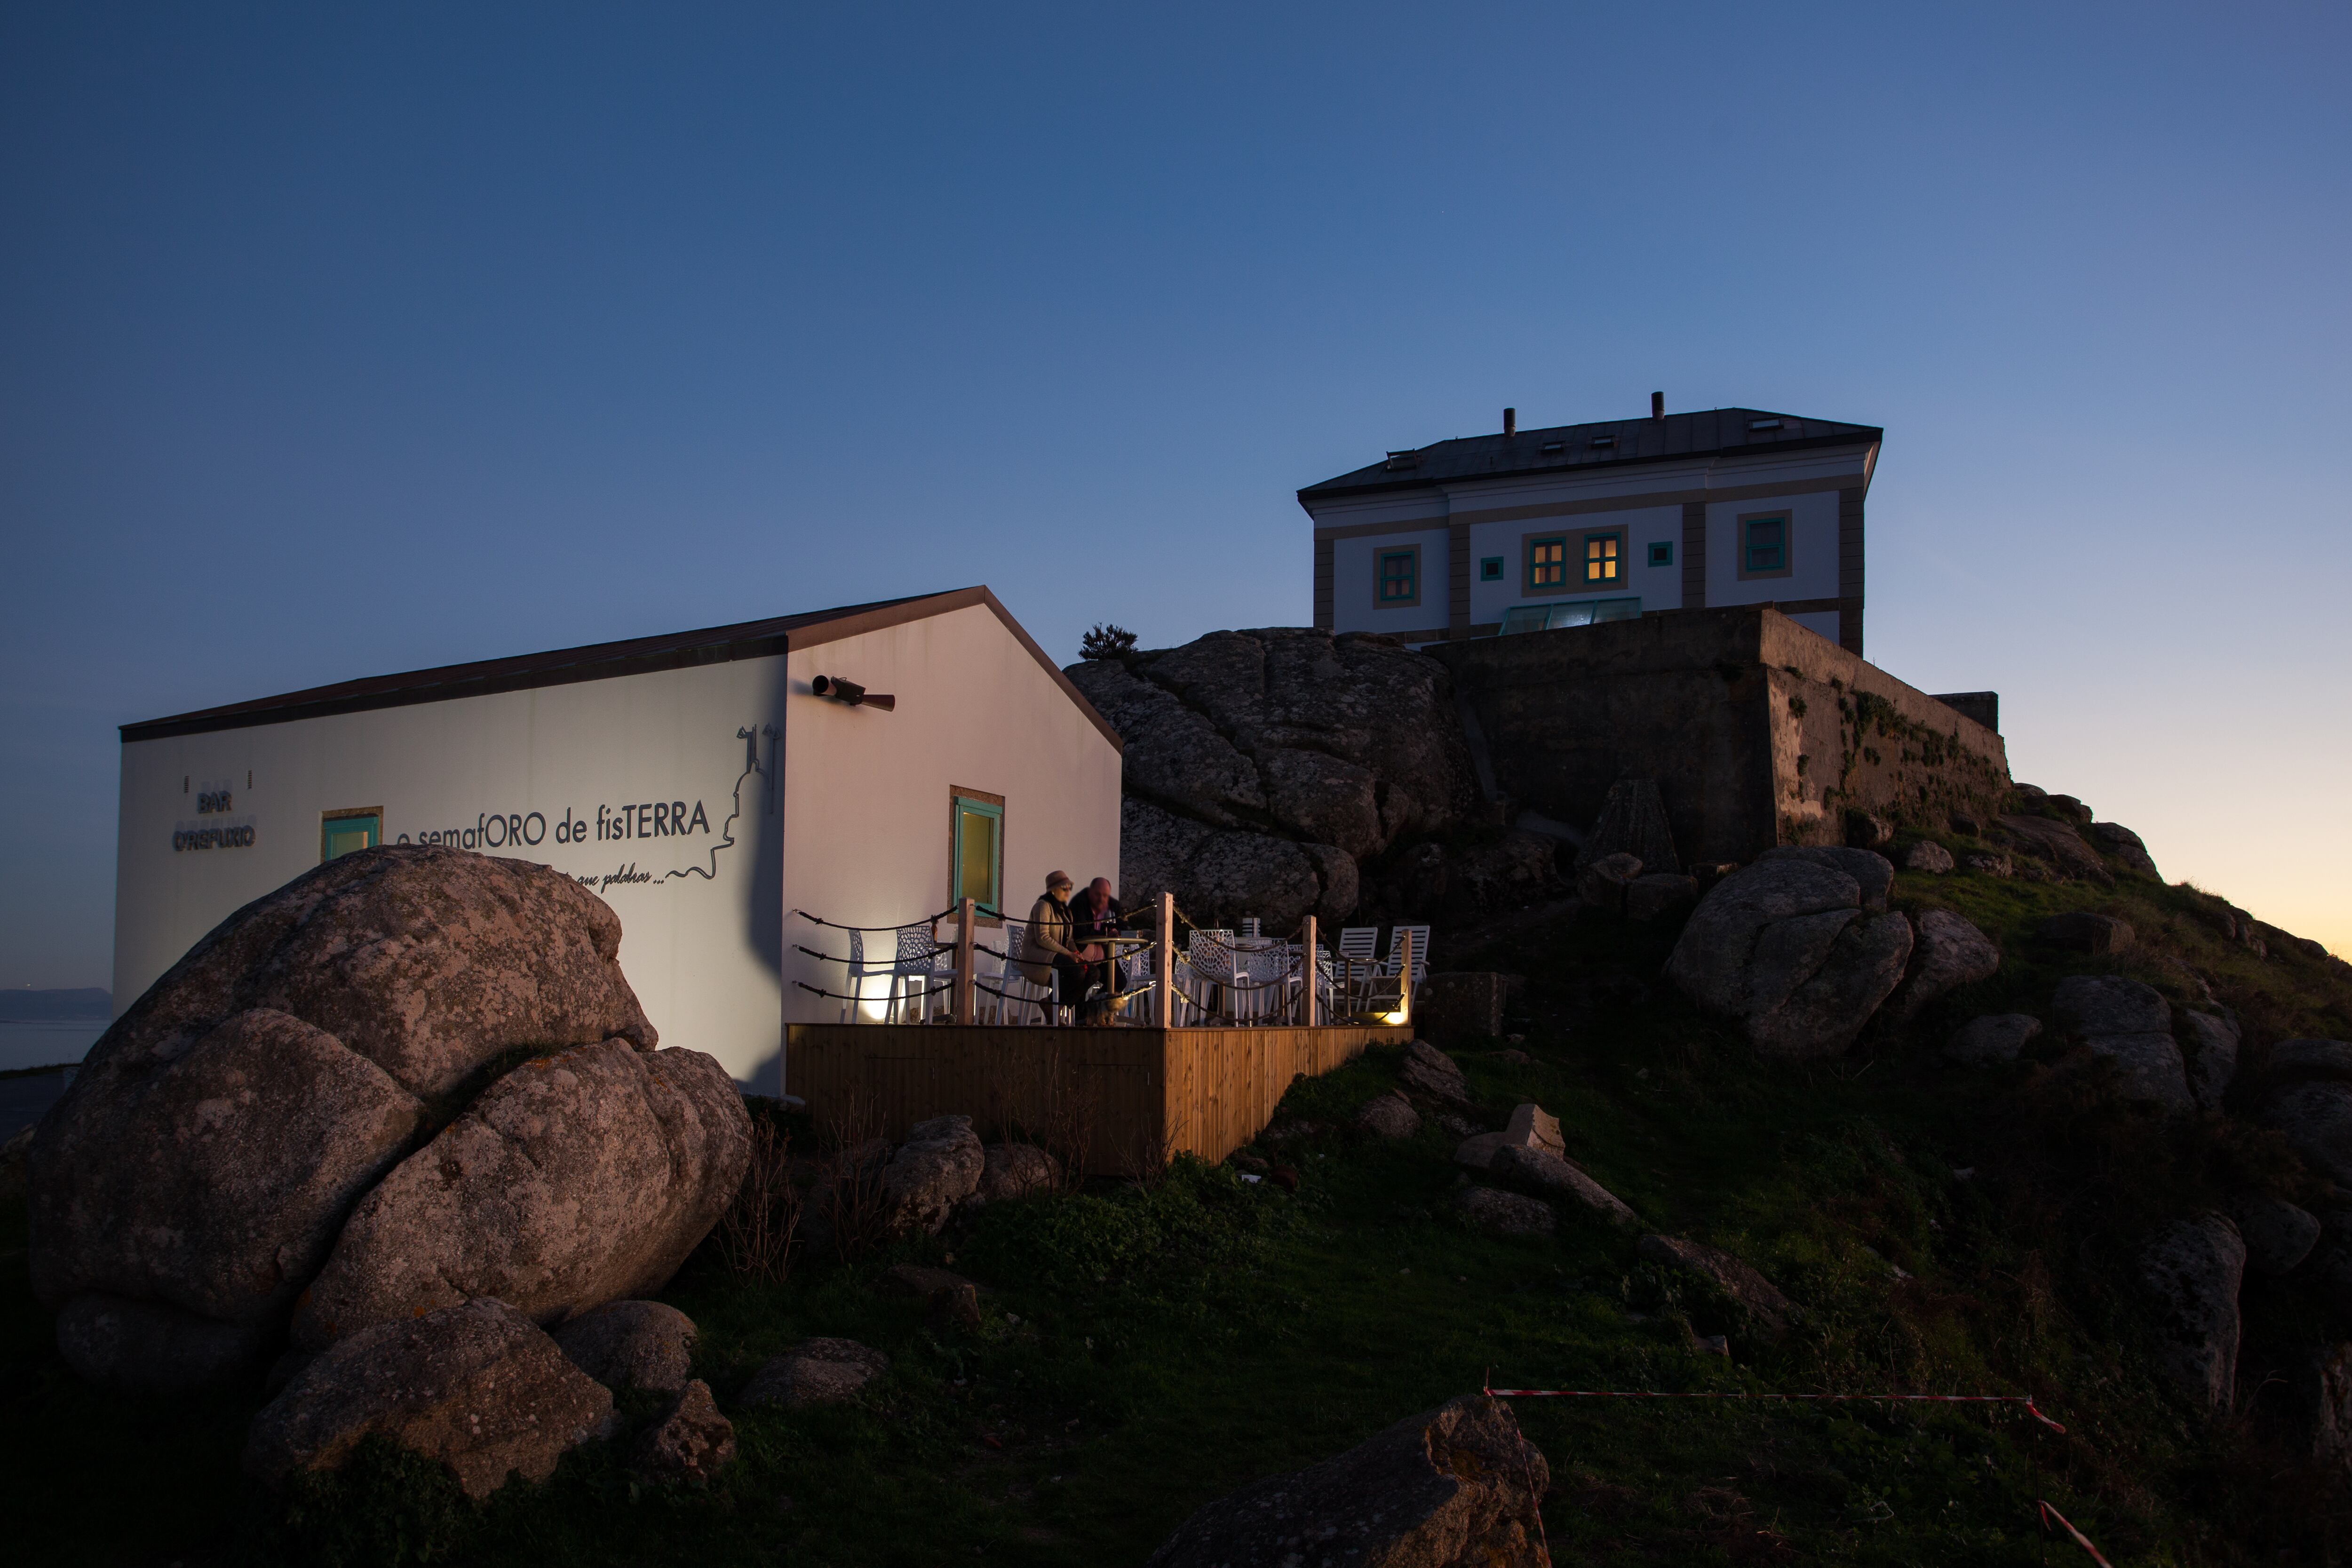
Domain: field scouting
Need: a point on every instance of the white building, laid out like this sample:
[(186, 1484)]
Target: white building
[(696, 781), (1535, 529)]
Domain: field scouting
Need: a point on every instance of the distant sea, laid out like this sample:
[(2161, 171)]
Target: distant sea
[(42, 1042)]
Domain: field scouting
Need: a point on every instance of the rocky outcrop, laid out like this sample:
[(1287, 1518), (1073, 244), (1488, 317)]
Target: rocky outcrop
[(632, 1345), (1457, 1487), (1654, 896), (1330, 747), (477, 1387), (1930, 857), (2311, 1102), (208, 1189), (1873, 873), (575, 1180), (1539, 1171), (1504, 1213), (2278, 1235), (1947, 953), (1601, 883), (938, 1167), (2192, 1271), (815, 1371), (195, 1175), (2116, 839), (2078, 931), (689, 1443), (1431, 1072), (2130, 1025), (1995, 1037), (1014, 1170), (1388, 1115), (2059, 846), (2213, 1041), (1784, 947), (1772, 1313)]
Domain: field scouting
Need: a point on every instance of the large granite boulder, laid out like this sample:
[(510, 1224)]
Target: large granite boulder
[(2130, 1025), (632, 1345), (1783, 946), (477, 1387), (1457, 1487), (1995, 1037), (689, 1441), (1947, 953), (2311, 1102), (938, 1167), (575, 1180), (2213, 1040), (2193, 1271), (1873, 873), (2125, 845), (177, 1215), (1316, 742), (815, 1371), (2059, 845)]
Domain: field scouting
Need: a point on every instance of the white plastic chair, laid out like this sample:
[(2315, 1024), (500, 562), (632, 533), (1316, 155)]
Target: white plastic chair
[(1212, 957), (1360, 946), (1420, 950), (917, 976)]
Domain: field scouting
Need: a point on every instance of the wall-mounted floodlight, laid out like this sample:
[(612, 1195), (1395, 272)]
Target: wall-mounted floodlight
[(852, 693)]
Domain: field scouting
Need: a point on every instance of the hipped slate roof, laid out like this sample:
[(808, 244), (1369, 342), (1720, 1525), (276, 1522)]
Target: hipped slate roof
[(1625, 442), (603, 661)]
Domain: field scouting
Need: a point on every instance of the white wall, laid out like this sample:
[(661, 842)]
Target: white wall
[(866, 838), (1353, 584), (693, 945), (1659, 587), (1813, 551), (704, 932)]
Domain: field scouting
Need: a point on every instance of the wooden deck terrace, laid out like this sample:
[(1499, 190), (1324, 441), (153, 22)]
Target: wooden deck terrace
[(1112, 1101)]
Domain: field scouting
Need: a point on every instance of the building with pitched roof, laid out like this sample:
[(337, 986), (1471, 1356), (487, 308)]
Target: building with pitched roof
[(704, 784), (1533, 529)]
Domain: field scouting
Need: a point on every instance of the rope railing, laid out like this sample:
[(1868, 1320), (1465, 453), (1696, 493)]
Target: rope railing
[(1208, 975)]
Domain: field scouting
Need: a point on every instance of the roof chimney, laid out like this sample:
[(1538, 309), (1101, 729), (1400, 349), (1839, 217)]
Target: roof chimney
[(1510, 421), (1657, 406)]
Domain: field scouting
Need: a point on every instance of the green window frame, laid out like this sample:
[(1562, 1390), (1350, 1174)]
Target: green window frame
[(1662, 553), (1546, 564), (1397, 578), (976, 850), (1490, 569), (1767, 545), (1601, 556), (343, 833)]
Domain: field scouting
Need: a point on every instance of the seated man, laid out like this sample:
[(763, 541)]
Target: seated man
[(1098, 917), (1049, 951)]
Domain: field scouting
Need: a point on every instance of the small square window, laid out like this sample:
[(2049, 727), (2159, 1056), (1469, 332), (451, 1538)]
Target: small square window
[(1400, 578), (1662, 553), (1490, 569)]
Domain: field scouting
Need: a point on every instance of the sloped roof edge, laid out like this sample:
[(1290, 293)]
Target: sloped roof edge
[(606, 662)]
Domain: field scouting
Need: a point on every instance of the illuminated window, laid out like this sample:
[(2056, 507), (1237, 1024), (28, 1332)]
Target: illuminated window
[(1604, 560), (1764, 545), (341, 832), (1546, 564), (976, 852)]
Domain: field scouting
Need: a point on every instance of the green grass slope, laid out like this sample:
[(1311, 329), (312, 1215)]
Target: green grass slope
[(1145, 1349)]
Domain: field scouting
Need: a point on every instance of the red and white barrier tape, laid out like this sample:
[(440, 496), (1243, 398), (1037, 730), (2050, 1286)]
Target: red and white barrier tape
[(2024, 1399), (2048, 1513)]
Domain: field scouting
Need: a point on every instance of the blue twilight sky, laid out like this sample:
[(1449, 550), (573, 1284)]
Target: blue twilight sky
[(336, 340)]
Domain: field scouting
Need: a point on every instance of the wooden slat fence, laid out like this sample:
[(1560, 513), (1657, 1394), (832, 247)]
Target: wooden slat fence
[(1114, 1102)]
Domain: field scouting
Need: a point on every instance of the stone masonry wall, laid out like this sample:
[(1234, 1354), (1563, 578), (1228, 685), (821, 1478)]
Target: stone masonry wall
[(1757, 731)]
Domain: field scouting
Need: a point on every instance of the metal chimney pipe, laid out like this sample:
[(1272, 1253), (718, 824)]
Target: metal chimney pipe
[(1510, 423), (1657, 406)]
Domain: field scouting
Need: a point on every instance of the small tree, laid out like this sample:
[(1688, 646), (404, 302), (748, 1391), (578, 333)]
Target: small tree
[(1112, 641)]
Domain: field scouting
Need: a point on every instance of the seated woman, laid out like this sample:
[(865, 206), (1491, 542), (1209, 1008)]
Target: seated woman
[(1098, 918), (1050, 951)]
